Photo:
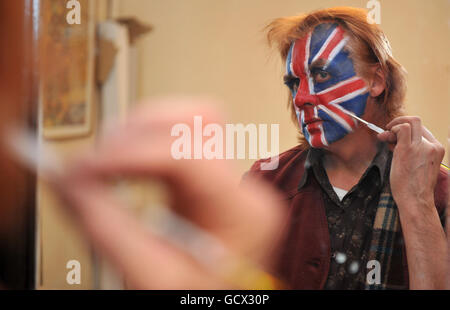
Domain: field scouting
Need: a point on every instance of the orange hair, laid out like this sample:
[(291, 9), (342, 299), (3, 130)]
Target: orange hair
[(368, 46)]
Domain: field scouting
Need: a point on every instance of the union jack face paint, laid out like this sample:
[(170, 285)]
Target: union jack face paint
[(323, 82)]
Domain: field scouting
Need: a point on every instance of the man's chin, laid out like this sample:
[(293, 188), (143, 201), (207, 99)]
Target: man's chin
[(330, 143)]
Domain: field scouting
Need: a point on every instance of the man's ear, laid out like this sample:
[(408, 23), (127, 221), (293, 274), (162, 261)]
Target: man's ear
[(378, 82)]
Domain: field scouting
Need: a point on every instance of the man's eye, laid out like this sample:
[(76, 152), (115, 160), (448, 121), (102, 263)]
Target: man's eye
[(321, 76), (292, 83)]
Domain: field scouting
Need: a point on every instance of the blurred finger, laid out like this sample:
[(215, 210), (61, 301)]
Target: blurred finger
[(144, 144)]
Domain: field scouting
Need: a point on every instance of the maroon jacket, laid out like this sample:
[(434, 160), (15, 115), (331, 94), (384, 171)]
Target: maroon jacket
[(305, 254)]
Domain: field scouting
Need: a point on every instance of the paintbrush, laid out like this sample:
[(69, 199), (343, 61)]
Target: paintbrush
[(370, 125)]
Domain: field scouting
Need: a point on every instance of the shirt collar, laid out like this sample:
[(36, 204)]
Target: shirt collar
[(381, 161)]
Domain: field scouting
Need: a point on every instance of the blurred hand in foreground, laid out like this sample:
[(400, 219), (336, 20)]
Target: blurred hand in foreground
[(247, 218)]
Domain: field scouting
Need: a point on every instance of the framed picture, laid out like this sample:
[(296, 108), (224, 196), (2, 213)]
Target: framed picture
[(67, 69)]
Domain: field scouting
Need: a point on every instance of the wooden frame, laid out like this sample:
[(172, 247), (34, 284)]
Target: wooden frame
[(18, 88)]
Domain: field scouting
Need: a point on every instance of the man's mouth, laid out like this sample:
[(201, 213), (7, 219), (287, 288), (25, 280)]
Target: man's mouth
[(312, 121)]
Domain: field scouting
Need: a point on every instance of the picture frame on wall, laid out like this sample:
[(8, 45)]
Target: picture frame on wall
[(67, 86)]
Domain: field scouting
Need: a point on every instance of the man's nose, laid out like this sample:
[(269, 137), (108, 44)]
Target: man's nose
[(302, 99)]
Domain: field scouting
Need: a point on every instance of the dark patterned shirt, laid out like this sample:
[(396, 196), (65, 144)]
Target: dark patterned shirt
[(350, 221)]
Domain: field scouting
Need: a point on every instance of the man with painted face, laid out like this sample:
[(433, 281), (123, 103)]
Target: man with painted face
[(366, 210)]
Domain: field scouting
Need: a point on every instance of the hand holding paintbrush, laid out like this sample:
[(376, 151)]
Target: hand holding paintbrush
[(384, 135)]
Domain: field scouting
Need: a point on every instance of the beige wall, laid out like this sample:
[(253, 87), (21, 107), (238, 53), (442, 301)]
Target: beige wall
[(59, 239), (217, 47)]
